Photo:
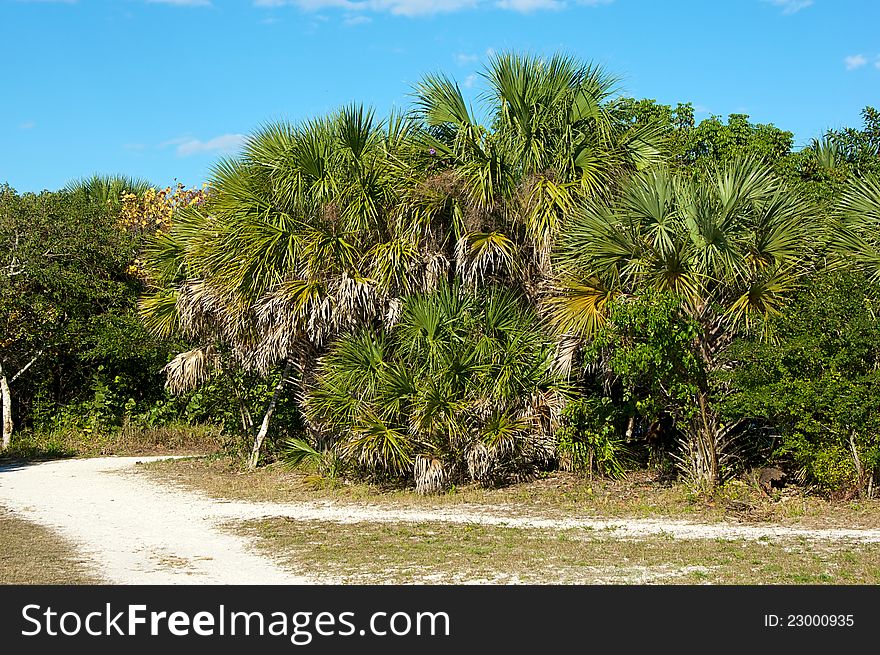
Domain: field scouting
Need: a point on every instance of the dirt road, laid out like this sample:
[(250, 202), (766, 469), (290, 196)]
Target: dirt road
[(137, 531)]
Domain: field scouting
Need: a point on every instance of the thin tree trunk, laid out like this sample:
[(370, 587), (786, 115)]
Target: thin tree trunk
[(7, 410), (264, 426), (857, 461), (26, 367)]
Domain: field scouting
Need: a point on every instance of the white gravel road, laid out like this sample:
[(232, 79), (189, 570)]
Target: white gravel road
[(138, 531)]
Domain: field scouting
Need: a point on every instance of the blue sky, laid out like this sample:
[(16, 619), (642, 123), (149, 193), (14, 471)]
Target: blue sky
[(160, 89)]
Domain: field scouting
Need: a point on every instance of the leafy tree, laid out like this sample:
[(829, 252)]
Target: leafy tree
[(66, 301), (648, 346), (817, 386), (711, 141), (732, 244), (860, 148)]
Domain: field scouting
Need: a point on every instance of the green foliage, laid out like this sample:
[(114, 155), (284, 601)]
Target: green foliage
[(461, 387), (408, 253), (66, 298), (711, 141), (860, 149), (818, 385), (650, 344), (589, 438), (127, 439)]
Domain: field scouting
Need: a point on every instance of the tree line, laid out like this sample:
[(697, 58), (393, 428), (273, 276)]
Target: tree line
[(549, 276)]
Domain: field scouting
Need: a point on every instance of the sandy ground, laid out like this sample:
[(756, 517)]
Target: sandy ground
[(140, 532)]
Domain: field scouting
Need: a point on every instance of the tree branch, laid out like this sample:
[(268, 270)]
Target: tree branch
[(26, 367)]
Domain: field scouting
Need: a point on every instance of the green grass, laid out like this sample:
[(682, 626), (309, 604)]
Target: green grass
[(425, 553)]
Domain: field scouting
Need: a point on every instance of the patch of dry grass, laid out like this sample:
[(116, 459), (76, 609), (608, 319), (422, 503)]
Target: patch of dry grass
[(557, 494), (128, 440), (31, 554), (450, 554)]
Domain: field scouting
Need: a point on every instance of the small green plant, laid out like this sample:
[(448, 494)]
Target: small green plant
[(589, 441)]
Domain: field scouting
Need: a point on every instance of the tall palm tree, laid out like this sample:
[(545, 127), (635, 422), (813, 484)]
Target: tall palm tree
[(553, 138), (733, 244), (302, 238)]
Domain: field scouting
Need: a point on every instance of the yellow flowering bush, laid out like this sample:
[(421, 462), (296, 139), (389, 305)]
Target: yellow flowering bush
[(153, 211)]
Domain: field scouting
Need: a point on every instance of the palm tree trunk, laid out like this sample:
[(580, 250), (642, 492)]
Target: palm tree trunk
[(702, 445), (264, 426)]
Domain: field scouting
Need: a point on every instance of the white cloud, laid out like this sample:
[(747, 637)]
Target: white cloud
[(27, 125), (528, 6), (358, 19), (469, 81), (422, 7), (181, 3), (854, 61), (463, 59), (188, 146), (790, 6)]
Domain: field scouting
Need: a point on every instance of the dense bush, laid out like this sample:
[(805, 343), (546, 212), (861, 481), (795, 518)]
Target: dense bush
[(460, 388), (817, 385), (68, 307)]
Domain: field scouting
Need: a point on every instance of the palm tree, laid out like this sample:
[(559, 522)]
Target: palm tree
[(107, 190), (733, 244), (856, 237), (460, 388), (302, 238), (554, 138), (320, 228)]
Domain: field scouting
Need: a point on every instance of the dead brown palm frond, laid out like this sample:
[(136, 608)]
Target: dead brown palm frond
[(430, 474), (436, 270), (356, 301), (190, 369), (565, 354), (299, 307), (480, 461), (207, 308), (543, 411)]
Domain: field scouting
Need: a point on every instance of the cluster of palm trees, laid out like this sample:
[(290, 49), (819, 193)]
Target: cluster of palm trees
[(411, 273)]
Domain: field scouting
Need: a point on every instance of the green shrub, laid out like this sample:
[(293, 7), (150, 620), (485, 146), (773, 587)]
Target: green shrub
[(460, 388), (589, 439)]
